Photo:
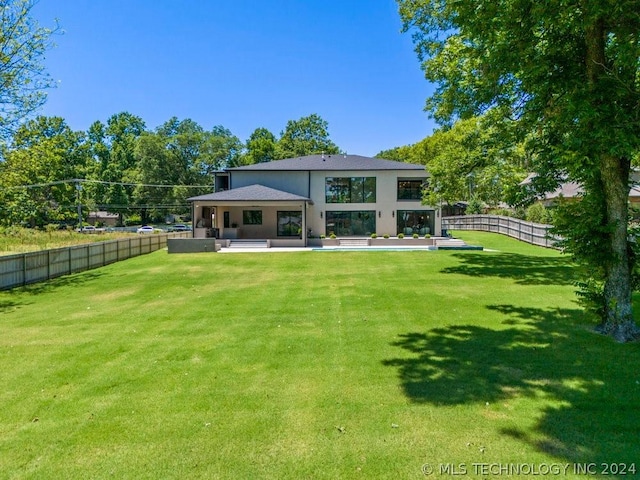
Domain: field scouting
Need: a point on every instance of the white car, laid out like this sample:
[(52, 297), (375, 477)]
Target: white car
[(145, 229), (90, 229)]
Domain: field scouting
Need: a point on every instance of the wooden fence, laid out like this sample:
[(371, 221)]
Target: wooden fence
[(26, 268), (534, 233)]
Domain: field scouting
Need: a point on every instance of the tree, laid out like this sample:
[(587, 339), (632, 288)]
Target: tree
[(22, 77), (306, 136), (168, 157), (36, 176), (221, 149), (469, 160), (260, 147), (568, 72), (405, 153), (112, 146)]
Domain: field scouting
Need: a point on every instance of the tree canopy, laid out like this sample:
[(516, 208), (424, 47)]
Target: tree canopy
[(46, 152), (23, 80), (305, 136), (566, 73), (125, 168)]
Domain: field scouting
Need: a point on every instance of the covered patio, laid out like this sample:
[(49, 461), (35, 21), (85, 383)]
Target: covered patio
[(254, 212)]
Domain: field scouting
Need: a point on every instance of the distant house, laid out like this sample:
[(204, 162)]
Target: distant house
[(287, 201), (102, 218), (572, 190)]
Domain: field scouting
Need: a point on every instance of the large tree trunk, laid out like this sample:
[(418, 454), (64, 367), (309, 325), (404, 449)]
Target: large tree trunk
[(614, 172), (618, 320)]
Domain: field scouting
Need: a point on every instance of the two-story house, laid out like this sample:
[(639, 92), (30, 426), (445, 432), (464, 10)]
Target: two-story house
[(288, 201)]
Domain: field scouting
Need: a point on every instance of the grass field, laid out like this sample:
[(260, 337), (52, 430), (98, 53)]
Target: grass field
[(314, 365), (21, 240)]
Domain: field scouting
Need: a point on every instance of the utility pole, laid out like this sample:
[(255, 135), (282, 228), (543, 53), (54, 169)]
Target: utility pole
[(78, 190)]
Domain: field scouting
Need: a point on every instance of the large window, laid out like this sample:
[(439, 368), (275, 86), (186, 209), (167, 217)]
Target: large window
[(343, 224), (415, 221), (350, 190), (289, 224), (252, 217), (410, 189)]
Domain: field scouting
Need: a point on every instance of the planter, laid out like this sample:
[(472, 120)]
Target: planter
[(400, 242), (330, 242)]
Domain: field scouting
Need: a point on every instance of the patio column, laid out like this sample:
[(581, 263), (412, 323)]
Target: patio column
[(305, 206)]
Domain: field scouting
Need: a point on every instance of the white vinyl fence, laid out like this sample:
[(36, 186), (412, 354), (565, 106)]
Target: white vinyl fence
[(534, 233), (26, 268)]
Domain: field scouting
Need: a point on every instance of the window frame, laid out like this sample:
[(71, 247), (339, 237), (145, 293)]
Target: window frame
[(350, 190), (413, 192), (289, 213), (252, 217)]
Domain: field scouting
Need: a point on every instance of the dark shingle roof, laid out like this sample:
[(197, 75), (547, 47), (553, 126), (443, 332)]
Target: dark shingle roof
[(330, 162), (251, 193)]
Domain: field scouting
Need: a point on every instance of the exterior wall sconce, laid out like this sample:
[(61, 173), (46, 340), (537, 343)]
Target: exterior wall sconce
[(379, 214), (320, 214), (393, 213)]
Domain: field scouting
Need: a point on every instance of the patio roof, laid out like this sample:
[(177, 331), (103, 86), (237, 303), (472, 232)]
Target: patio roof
[(250, 193)]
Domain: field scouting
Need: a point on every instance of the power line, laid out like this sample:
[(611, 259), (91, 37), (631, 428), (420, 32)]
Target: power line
[(103, 182)]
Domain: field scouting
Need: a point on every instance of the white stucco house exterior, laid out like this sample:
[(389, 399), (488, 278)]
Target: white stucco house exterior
[(290, 201)]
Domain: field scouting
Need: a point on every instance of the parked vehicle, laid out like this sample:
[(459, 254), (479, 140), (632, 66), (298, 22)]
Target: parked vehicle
[(145, 229), (90, 229), (180, 228)]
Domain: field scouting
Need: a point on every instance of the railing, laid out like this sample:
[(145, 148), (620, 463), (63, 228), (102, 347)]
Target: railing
[(534, 233), (32, 267)]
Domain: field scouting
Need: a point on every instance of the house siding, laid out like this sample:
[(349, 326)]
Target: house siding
[(292, 182)]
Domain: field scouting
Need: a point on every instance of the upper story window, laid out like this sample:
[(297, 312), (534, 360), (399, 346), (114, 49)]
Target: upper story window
[(350, 189), (410, 189)]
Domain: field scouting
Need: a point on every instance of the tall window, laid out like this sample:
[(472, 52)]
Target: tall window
[(350, 190), (289, 223), (252, 217), (410, 189), (361, 223), (415, 221)]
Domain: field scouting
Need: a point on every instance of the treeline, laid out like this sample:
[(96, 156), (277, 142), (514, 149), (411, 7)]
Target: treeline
[(47, 170), (474, 160)]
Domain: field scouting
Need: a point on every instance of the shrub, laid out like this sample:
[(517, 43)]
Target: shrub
[(538, 213), (323, 236), (374, 235), (504, 212), (428, 235), (332, 236), (474, 206), (386, 235), (401, 235), (415, 235), (133, 220)]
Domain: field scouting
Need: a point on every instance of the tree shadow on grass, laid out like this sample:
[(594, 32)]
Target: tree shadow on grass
[(524, 269), (21, 296), (587, 386)]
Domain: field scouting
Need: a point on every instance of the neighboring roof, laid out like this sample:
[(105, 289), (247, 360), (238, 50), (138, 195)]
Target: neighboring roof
[(566, 190), (251, 193), (574, 189), (330, 162), (102, 214)]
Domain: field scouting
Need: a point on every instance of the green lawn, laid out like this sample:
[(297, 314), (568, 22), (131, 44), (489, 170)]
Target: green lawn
[(312, 365)]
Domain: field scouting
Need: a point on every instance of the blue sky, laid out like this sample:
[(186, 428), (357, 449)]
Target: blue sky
[(242, 64)]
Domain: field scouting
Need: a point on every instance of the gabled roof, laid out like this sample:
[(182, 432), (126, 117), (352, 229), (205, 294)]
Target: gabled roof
[(330, 162), (251, 193)]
